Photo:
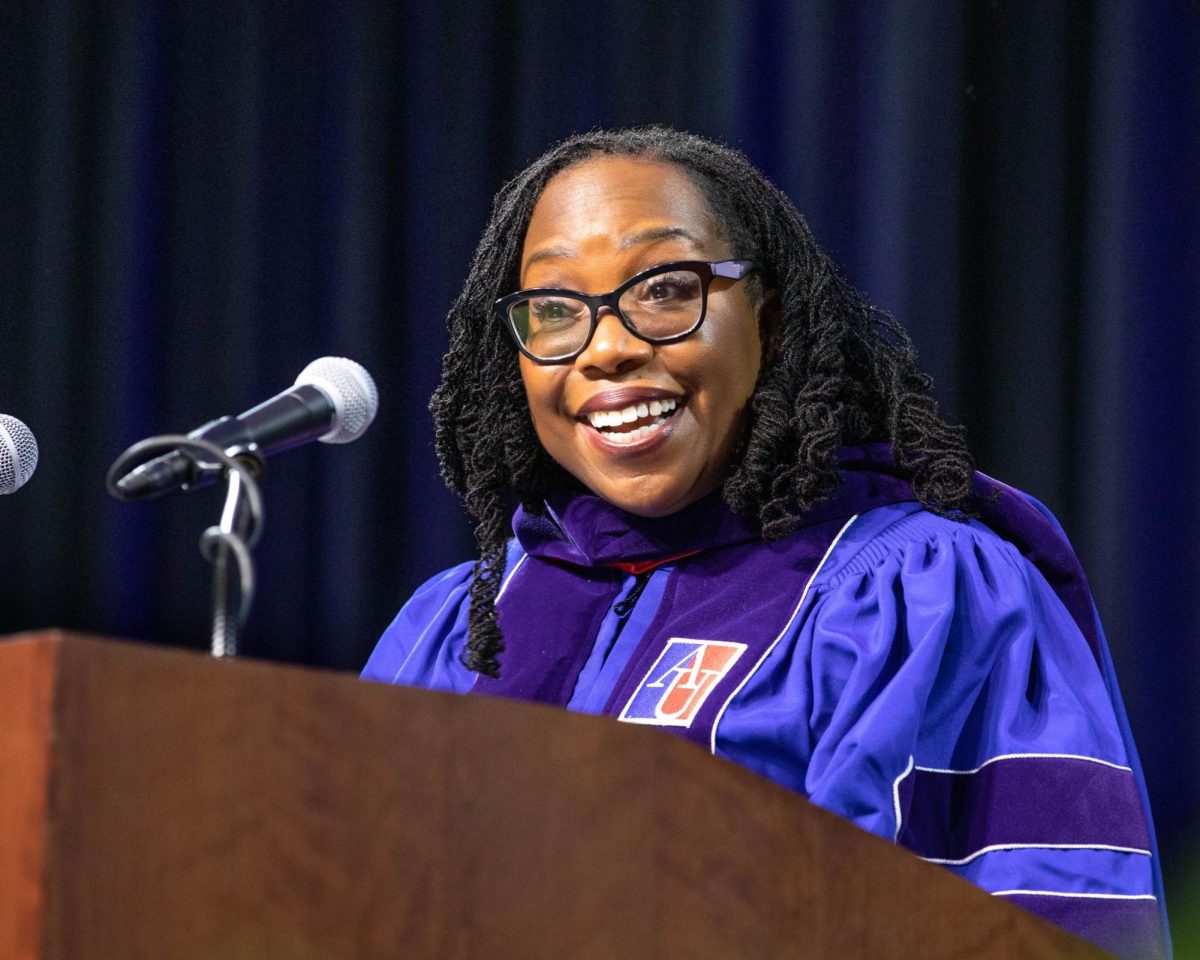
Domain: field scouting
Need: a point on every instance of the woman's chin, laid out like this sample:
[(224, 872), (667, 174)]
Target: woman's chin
[(650, 497)]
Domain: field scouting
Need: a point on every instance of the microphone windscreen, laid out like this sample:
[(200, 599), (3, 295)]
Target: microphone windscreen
[(18, 454), (352, 391)]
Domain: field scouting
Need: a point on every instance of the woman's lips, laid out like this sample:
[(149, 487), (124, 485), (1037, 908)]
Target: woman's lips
[(623, 397), (633, 417), (639, 439)]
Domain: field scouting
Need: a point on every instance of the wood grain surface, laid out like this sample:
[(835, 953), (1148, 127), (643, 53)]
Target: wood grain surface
[(229, 811), (26, 691)]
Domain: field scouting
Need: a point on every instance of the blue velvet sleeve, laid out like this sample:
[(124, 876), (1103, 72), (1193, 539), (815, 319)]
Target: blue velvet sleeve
[(954, 706), (421, 646)]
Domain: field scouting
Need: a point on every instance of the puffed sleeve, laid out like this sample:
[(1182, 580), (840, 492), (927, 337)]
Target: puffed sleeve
[(957, 709), (421, 646)]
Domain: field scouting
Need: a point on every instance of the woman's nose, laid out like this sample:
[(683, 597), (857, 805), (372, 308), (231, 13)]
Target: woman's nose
[(613, 349)]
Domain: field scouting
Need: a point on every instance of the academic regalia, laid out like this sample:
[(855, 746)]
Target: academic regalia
[(942, 683)]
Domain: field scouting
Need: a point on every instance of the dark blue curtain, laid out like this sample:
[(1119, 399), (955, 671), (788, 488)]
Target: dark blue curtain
[(198, 199)]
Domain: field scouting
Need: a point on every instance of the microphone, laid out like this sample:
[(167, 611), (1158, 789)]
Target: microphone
[(18, 454), (333, 400)]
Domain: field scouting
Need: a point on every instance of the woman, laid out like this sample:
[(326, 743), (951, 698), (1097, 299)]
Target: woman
[(742, 519)]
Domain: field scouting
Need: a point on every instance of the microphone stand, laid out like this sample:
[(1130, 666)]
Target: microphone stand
[(217, 544), (232, 537)]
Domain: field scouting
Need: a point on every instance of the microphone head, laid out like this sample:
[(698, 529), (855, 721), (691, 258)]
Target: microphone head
[(352, 392), (18, 454)]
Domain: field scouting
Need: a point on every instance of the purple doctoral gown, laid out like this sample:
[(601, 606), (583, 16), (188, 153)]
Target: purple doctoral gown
[(944, 684)]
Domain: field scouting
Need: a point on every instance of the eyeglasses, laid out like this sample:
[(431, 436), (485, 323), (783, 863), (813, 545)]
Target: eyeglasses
[(659, 305)]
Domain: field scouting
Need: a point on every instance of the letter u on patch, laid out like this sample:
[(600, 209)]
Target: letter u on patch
[(675, 688)]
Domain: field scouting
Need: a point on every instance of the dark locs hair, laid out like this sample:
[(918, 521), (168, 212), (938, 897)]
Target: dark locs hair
[(836, 371)]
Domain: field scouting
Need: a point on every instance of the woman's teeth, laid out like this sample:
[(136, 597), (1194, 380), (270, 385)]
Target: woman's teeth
[(605, 420)]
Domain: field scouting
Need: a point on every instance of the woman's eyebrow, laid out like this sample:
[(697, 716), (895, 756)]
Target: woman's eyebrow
[(658, 233), (550, 253)]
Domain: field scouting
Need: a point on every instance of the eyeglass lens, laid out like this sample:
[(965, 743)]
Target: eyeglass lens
[(658, 307)]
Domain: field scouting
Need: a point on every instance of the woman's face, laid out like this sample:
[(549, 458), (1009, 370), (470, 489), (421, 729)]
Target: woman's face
[(595, 225)]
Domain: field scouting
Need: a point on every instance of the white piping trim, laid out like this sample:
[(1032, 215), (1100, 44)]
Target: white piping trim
[(1029, 756), (1087, 896), (421, 639), (1036, 846), (507, 580), (896, 796), (787, 626)]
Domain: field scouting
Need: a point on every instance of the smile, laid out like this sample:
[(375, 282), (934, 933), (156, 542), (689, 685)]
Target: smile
[(634, 424)]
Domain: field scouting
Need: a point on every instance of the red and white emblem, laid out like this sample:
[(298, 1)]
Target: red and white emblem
[(683, 676)]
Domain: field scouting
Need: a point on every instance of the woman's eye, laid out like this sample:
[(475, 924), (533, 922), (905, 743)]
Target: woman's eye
[(554, 310), (669, 287)]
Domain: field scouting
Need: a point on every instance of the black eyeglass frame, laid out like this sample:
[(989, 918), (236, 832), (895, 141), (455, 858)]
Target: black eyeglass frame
[(707, 270)]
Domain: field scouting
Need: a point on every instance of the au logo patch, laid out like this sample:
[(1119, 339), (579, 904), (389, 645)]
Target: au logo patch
[(675, 688)]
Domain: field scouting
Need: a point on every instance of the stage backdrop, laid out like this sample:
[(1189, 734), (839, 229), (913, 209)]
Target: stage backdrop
[(198, 199)]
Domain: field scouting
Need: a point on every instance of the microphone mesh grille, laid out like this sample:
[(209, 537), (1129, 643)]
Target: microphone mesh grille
[(352, 391), (18, 454)]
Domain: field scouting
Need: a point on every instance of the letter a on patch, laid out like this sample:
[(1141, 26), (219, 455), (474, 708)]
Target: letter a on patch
[(675, 688)]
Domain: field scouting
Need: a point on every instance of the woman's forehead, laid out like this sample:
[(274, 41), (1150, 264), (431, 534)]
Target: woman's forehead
[(605, 205)]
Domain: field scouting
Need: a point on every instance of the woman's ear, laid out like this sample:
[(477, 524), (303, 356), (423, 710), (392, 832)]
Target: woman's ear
[(769, 323)]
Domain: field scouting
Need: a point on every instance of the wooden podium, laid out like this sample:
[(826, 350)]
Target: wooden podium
[(160, 804)]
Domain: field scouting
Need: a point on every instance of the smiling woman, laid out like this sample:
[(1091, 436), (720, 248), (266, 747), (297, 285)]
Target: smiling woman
[(596, 225), (712, 436)]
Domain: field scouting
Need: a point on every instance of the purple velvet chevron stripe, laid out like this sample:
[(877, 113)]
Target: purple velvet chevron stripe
[(548, 617), (1020, 800), (744, 593), (1125, 928)]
